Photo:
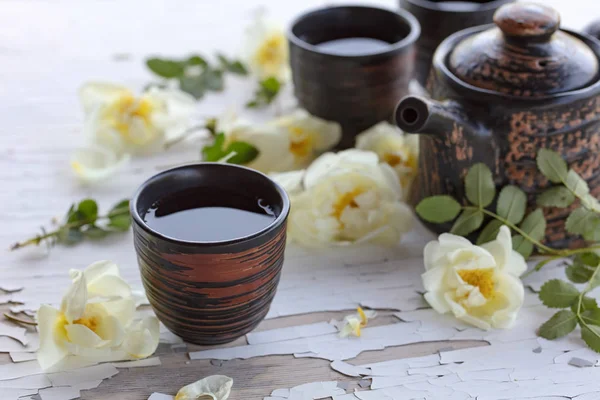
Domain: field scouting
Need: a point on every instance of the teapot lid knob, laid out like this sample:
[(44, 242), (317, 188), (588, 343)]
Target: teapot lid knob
[(527, 21)]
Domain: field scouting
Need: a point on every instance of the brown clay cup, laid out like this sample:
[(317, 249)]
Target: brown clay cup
[(210, 292), (356, 91)]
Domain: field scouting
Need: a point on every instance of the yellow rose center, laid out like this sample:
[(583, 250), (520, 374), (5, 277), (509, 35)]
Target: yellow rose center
[(392, 159), (126, 109), (301, 142), (346, 200), (271, 52), (481, 278), (90, 322)]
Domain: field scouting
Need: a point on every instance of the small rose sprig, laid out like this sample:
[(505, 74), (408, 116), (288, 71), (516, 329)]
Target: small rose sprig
[(529, 231), (83, 222), (195, 75), (578, 308)]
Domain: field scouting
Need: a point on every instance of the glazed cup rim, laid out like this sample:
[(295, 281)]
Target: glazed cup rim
[(434, 6), (409, 19), (280, 220)]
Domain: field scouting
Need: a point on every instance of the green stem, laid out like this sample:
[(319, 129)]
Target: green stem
[(587, 289), (77, 225), (517, 229)]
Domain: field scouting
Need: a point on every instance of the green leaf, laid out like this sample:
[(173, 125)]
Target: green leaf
[(591, 336), (562, 323), (522, 246), (193, 85), (590, 258), (213, 79), (265, 94), (577, 184), (558, 294), (479, 185), (535, 225), (233, 66), (244, 153), (166, 68), (95, 232), (121, 207), (88, 208), (120, 222), (468, 221), (214, 152), (579, 273), (438, 209), (73, 215), (551, 164), (489, 232), (583, 222), (512, 202), (558, 196), (196, 60), (591, 317), (237, 68), (587, 303)]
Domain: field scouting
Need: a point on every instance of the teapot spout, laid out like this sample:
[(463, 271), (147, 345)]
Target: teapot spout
[(415, 114)]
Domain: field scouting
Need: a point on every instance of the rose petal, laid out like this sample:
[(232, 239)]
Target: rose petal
[(93, 94), (96, 163), (51, 350), (215, 387), (81, 335), (142, 337), (74, 301)]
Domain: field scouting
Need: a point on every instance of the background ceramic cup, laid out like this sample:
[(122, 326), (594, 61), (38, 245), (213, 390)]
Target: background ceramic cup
[(440, 19), (210, 292), (355, 90)]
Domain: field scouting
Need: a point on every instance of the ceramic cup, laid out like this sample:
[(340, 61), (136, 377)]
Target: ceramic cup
[(356, 90), (210, 292), (440, 19)]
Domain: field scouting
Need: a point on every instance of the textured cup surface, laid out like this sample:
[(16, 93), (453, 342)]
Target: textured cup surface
[(356, 91), (210, 292)]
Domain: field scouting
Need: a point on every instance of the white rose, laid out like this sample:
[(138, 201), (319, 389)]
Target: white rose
[(400, 151), (284, 144), (479, 285), (348, 197), (266, 49), (117, 124), (95, 322)]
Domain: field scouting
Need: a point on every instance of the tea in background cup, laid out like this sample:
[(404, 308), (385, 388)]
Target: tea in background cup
[(210, 242)]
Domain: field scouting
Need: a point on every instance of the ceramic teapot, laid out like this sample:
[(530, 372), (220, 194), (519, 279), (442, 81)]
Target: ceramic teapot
[(498, 95)]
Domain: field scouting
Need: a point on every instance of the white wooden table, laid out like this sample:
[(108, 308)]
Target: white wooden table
[(47, 50)]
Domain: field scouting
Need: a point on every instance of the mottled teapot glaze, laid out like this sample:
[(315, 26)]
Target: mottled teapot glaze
[(499, 94)]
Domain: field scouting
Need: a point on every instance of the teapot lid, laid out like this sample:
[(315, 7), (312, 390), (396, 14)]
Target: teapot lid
[(525, 55)]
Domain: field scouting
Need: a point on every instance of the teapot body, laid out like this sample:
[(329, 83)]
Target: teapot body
[(505, 133)]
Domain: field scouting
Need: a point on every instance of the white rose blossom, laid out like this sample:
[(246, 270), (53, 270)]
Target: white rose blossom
[(393, 147), (480, 285), (266, 50), (284, 144), (95, 322), (119, 123), (346, 198)]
